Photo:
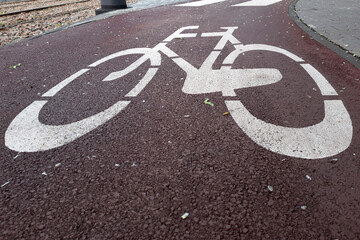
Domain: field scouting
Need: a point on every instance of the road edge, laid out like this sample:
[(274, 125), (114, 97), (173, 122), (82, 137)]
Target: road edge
[(103, 16), (342, 52)]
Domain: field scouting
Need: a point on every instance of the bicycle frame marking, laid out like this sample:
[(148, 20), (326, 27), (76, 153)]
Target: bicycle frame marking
[(327, 138), (251, 3)]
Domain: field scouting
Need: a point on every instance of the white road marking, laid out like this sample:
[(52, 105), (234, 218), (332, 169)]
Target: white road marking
[(142, 84), (323, 84), (258, 47), (257, 3), (226, 37), (148, 53), (251, 3), (179, 34), (200, 3), (27, 134), (226, 80), (63, 83), (329, 137), (126, 52)]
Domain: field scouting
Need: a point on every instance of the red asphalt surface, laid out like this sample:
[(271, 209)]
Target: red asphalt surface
[(136, 175)]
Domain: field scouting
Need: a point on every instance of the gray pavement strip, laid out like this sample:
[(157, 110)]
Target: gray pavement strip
[(141, 5), (331, 33), (335, 20)]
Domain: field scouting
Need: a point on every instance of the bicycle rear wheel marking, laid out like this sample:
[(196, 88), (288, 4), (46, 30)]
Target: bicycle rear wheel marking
[(325, 139), (323, 84)]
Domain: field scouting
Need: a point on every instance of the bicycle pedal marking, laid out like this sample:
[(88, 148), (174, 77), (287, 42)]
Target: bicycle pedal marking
[(327, 138)]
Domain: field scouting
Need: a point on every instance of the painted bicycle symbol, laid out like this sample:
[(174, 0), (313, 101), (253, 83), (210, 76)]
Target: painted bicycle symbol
[(327, 138)]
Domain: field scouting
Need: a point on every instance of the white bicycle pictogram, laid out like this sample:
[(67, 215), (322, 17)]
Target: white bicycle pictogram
[(327, 138)]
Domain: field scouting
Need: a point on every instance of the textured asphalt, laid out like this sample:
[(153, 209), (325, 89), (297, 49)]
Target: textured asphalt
[(168, 153)]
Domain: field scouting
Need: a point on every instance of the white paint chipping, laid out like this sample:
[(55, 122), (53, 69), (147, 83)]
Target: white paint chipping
[(27, 134), (325, 139)]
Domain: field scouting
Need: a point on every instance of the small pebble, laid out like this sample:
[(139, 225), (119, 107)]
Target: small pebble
[(185, 215), (270, 188), (5, 184), (303, 207)]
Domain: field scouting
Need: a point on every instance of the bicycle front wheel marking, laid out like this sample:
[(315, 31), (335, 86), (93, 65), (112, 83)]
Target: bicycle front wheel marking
[(27, 134)]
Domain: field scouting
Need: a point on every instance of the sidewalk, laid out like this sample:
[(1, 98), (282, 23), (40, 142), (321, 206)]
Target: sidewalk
[(337, 21), (140, 5)]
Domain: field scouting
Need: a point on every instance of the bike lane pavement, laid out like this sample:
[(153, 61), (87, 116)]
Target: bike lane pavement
[(168, 153)]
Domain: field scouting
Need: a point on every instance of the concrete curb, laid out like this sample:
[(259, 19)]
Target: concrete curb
[(342, 52)]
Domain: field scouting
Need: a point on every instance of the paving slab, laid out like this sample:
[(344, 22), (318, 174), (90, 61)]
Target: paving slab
[(338, 21)]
